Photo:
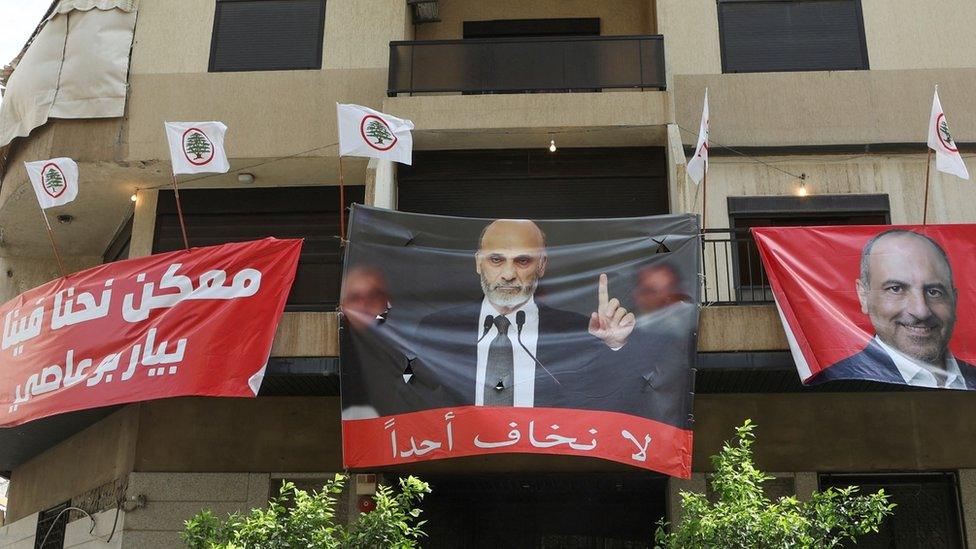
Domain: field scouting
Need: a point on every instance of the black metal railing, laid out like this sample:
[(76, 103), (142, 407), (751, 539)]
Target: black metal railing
[(732, 270), (526, 65)]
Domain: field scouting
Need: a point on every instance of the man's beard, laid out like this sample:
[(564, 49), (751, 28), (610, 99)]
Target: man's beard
[(508, 295)]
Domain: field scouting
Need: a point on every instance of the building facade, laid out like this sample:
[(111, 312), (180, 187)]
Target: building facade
[(835, 91)]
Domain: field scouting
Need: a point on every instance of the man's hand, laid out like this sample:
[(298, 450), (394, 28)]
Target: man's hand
[(611, 322)]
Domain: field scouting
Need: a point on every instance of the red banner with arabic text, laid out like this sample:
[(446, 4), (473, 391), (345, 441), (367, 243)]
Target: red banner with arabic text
[(186, 323), (475, 430)]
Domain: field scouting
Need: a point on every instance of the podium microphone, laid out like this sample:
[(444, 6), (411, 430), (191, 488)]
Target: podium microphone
[(519, 323), (487, 324)]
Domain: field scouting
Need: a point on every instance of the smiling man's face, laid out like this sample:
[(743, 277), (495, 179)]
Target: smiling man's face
[(909, 297)]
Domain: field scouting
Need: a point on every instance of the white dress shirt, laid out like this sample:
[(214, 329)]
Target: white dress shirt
[(524, 375), (920, 374)]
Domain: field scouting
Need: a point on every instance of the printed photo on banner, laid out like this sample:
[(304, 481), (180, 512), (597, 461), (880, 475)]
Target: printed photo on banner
[(556, 322), (881, 303)]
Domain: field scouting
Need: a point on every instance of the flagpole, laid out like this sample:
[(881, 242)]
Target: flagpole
[(928, 168), (179, 213), (342, 206), (704, 196), (50, 234)]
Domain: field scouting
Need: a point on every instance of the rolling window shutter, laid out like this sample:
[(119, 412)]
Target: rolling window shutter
[(255, 35), (788, 35)]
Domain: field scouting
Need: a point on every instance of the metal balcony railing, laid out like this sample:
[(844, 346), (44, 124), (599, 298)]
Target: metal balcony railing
[(733, 271), (526, 65)]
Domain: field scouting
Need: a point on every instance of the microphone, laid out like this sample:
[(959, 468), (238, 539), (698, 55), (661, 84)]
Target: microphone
[(519, 323), (488, 323)]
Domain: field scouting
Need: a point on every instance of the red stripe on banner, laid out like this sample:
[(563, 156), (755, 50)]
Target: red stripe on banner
[(474, 430)]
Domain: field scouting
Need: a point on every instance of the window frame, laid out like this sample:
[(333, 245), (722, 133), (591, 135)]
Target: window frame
[(216, 26), (862, 38)]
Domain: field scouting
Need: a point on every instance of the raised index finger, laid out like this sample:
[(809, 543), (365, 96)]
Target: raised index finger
[(602, 293)]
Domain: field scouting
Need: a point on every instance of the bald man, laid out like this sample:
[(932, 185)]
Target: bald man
[(509, 350), (906, 289)]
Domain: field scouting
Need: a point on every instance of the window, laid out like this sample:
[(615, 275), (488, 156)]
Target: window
[(261, 35), (731, 259), (51, 525), (791, 35), (218, 216), (927, 514), (118, 249)]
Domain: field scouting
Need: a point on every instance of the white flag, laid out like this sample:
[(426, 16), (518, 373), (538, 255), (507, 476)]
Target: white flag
[(197, 147), (365, 132), (947, 157), (698, 164), (55, 181)]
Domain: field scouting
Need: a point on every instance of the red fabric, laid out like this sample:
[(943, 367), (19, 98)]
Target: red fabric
[(391, 440), (227, 330), (812, 272)]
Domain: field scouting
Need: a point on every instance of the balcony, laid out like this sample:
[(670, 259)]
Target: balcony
[(526, 65), (733, 271)]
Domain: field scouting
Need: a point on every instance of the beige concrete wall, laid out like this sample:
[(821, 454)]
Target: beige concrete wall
[(691, 40), (356, 35), (824, 108), (741, 328), (901, 177), (78, 534), (99, 454), (907, 34), (617, 17), (19, 534), (842, 432), (175, 497), (239, 435), (531, 120)]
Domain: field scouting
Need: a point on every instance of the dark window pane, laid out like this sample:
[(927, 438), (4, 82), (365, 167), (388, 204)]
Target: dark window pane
[(927, 512), (218, 216), (536, 184), (51, 525), (118, 249), (255, 35), (786, 35)]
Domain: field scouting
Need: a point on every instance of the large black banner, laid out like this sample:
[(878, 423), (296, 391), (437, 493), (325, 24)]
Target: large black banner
[(471, 336)]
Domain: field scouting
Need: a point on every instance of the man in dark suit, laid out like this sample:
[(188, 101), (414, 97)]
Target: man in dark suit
[(907, 290), (509, 350)]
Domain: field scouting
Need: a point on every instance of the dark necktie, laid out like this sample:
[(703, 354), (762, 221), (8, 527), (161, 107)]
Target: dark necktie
[(501, 367)]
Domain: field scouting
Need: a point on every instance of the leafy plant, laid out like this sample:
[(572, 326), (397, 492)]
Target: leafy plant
[(744, 517), (298, 519)]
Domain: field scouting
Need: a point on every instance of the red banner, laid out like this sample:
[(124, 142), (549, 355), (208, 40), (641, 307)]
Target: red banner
[(198, 322), (474, 430), (893, 304)]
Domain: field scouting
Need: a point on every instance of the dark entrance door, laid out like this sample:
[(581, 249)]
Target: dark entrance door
[(547, 511)]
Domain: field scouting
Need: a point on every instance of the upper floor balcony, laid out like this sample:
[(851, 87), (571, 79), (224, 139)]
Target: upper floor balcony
[(527, 64)]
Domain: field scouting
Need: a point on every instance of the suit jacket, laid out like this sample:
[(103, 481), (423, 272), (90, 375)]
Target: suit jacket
[(874, 364)]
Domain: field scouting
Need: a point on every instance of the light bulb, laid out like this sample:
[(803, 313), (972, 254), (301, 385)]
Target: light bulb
[(134, 196), (552, 145), (802, 191)]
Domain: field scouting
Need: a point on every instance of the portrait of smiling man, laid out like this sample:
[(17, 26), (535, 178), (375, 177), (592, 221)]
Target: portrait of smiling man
[(906, 288), (508, 349)]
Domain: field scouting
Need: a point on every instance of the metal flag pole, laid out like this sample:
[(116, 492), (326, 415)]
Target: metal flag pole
[(179, 213), (50, 234), (342, 206), (925, 206)]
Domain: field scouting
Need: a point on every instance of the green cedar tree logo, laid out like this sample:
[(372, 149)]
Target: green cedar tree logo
[(53, 181), (197, 145), (378, 131), (946, 136)]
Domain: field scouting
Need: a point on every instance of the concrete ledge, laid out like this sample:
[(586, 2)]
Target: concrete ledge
[(741, 328), (307, 334), (524, 120)]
